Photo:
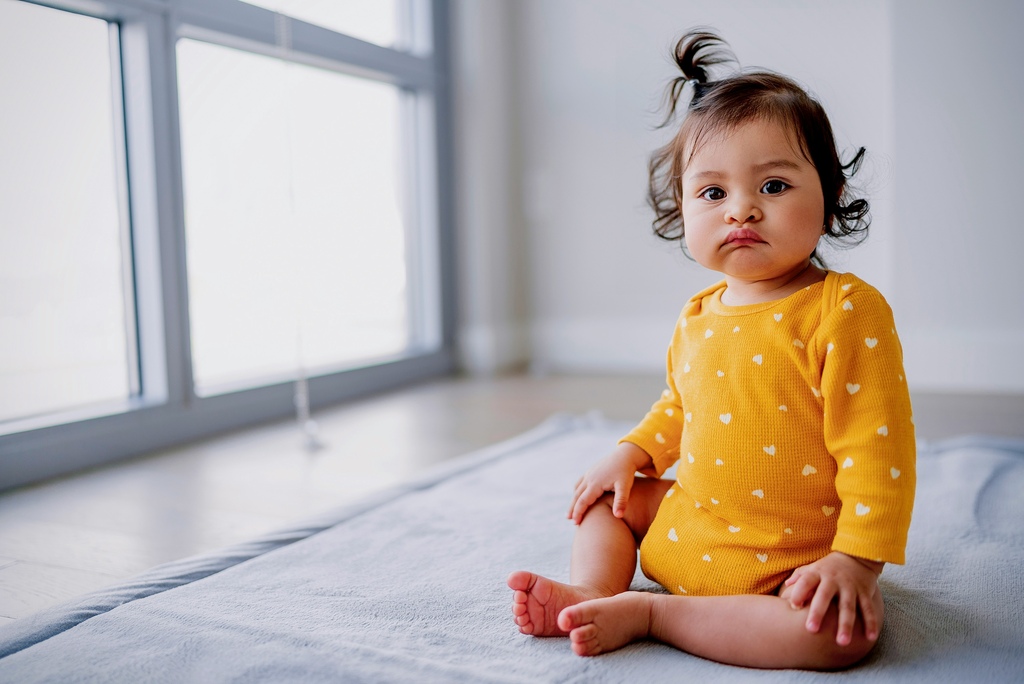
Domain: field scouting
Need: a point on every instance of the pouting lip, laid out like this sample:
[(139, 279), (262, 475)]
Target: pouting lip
[(742, 235)]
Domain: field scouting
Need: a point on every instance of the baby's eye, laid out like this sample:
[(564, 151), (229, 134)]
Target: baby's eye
[(774, 187), (713, 194)]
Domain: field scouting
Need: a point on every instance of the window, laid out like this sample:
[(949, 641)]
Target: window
[(294, 183), (202, 207), (66, 297)]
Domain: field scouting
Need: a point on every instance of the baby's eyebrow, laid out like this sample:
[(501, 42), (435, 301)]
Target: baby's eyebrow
[(776, 164), (757, 168), (700, 175)]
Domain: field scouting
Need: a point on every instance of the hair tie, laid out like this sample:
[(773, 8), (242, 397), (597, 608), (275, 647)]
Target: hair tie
[(699, 90)]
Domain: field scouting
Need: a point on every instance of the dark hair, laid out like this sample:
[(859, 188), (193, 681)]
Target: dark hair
[(721, 105)]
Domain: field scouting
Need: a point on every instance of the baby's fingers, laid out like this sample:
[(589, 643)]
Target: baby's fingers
[(867, 609), (620, 499), (583, 502), (847, 617), (803, 587), (819, 605), (575, 497)]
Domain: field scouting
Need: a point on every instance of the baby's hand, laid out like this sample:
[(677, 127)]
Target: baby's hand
[(853, 580), (615, 473)]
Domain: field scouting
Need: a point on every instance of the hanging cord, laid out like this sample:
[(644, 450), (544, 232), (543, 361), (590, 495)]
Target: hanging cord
[(308, 426)]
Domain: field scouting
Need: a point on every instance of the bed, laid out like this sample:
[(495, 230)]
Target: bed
[(409, 585)]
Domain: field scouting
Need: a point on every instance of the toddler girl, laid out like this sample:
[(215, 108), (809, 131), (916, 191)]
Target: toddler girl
[(786, 410)]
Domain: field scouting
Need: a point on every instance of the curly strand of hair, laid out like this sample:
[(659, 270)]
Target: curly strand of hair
[(661, 195), (852, 219)]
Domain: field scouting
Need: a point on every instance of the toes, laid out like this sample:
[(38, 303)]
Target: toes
[(520, 580), (590, 647), (583, 634), (567, 619), (574, 616)]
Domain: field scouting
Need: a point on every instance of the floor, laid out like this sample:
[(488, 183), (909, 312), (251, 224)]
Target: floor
[(69, 536)]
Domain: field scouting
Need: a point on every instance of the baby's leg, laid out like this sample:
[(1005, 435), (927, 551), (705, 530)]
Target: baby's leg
[(603, 561), (747, 630)]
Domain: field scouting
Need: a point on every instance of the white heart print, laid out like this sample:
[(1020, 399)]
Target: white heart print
[(659, 438), (884, 430), (759, 493), (848, 305), (848, 463), (828, 510), (852, 388), (707, 558), (871, 342), (733, 529), (809, 470), (757, 359), (778, 317), (672, 534), (725, 418), (763, 557), (708, 333), (862, 509), (894, 472), (770, 450)]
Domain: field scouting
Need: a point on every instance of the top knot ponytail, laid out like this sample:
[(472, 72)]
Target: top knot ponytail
[(695, 54)]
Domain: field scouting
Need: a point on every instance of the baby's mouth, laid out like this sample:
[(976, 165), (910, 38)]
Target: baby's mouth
[(743, 236)]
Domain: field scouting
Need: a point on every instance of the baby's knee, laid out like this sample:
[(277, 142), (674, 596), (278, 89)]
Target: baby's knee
[(830, 655), (836, 657), (634, 517)]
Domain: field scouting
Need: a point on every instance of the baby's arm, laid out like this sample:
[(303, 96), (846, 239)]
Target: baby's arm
[(853, 581), (614, 473)]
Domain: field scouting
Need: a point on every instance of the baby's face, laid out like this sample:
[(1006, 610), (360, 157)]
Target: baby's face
[(752, 204)]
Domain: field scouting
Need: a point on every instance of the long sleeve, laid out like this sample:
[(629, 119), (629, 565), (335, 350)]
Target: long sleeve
[(661, 430), (868, 425)]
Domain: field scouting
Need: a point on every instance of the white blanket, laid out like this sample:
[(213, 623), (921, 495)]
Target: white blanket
[(410, 586)]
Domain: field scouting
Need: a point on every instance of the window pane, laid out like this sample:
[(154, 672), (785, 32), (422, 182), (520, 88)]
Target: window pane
[(64, 332), (293, 181), (375, 21)]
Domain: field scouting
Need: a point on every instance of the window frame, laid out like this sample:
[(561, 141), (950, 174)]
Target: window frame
[(168, 411)]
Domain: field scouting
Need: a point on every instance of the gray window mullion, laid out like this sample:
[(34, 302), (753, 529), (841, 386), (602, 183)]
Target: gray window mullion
[(237, 24)]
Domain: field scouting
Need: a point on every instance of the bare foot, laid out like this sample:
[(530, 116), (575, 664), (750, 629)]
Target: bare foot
[(537, 601), (606, 624)]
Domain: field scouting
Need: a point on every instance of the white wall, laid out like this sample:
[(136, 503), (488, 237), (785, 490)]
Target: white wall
[(959, 288), (584, 78), (492, 276)]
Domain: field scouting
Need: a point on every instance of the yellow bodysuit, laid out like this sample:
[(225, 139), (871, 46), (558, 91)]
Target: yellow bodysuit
[(791, 424)]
